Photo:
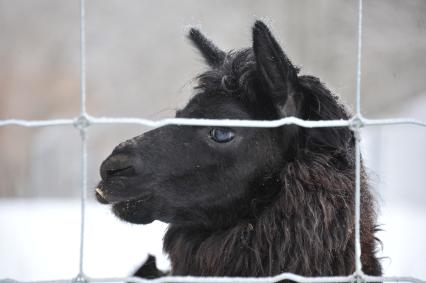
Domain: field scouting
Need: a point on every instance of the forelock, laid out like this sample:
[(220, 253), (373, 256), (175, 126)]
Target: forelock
[(234, 77)]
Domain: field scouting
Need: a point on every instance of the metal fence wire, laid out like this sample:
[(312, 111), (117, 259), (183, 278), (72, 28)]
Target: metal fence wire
[(84, 121)]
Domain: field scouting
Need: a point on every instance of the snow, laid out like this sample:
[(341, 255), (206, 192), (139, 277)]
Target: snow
[(39, 240)]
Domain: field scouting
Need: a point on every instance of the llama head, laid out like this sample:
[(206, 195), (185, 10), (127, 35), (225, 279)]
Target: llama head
[(214, 176)]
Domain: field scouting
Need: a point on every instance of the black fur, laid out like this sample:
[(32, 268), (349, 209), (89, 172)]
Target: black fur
[(213, 55), (268, 201), (149, 269)]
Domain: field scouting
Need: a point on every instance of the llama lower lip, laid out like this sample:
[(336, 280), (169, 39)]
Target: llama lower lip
[(113, 191), (134, 210), (136, 200)]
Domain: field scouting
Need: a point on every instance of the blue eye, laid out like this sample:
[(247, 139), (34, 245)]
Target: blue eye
[(221, 135)]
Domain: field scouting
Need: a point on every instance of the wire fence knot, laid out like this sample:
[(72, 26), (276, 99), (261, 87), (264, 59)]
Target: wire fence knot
[(82, 122), (358, 278), (356, 123), (81, 278)]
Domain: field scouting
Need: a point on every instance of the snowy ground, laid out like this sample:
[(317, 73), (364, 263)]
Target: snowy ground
[(39, 240)]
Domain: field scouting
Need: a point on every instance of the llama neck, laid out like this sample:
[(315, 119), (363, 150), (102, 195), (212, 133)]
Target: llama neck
[(306, 230)]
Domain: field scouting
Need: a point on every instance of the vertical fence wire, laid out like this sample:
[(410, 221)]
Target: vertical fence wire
[(83, 192), (82, 57), (359, 59), (82, 124), (358, 263), (357, 133)]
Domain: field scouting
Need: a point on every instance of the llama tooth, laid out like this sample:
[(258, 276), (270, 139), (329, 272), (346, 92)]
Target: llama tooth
[(100, 192)]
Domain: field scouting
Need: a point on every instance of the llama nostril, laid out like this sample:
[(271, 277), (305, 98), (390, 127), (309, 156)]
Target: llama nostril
[(125, 171), (118, 165)]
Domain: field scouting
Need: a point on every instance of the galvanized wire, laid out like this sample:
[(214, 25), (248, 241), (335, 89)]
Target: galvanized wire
[(193, 279), (90, 120), (83, 194), (81, 123), (358, 263), (357, 133), (359, 61), (82, 57)]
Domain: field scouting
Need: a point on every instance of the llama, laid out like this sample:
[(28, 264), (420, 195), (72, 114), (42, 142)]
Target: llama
[(247, 201)]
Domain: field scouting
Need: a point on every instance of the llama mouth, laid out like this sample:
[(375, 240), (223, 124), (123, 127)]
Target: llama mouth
[(108, 192), (132, 210), (100, 196)]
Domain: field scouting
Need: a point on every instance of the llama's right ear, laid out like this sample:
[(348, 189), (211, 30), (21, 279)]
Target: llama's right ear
[(212, 54), (276, 71)]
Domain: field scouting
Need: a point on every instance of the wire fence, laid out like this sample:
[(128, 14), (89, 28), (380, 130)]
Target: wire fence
[(84, 121)]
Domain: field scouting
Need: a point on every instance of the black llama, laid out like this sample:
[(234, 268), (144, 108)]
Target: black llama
[(247, 201)]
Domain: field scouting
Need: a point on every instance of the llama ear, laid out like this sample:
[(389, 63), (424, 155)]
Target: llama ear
[(213, 55), (275, 69)]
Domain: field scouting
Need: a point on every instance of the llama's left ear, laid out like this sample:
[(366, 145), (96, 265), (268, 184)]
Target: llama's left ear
[(276, 71), (211, 53)]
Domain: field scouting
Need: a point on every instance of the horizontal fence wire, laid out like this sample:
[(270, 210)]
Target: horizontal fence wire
[(84, 120), (272, 279)]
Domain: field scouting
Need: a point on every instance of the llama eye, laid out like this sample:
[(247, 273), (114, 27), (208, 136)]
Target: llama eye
[(221, 135)]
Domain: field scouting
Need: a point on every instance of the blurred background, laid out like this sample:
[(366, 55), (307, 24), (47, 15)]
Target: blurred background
[(139, 64)]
